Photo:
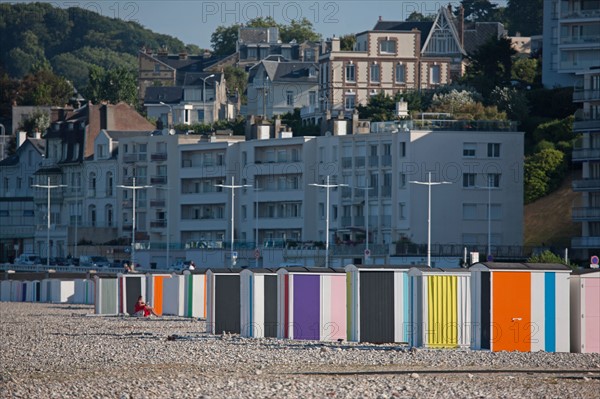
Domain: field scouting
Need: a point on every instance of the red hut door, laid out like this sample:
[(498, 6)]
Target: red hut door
[(511, 320)]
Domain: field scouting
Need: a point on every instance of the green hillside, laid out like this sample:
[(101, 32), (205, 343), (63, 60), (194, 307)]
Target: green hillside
[(71, 40)]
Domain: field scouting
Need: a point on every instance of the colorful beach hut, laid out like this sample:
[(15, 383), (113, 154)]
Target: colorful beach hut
[(5, 290), (378, 303), (311, 303), (84, 291), (131, 286), (174, 295), (440, 307), (106, 295), (18, 292), (223, 301), (155, 290), (195, 293), (55, 290), (520, 306), (33, 291), (259, 303), (585, 311)]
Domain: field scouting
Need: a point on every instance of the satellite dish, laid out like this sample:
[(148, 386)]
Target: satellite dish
[(172, 131)]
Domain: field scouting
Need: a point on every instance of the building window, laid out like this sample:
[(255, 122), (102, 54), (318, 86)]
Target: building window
[(401, 210), (493, 180), (92, 181), (435, 75), (312, 72), (375, 73), (350, 101), (403, 149), (156, 68), (109, 184), (387, 47), (312, 98), (350, 73), (289, 96), (469, 180), (400, 73), (469, 150), (402, 180), (493, 150)]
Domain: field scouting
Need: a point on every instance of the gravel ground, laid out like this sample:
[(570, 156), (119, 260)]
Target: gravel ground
[(60, 351)]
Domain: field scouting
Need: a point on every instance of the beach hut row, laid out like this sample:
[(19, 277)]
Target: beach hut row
[(490, 306), (52, 290)]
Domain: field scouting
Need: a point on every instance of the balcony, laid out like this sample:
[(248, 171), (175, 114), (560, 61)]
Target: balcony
[(360, 162), (158, 180), (586, 95), (346, 221), (593, 40), (158, 156), (386, 191), (127, 204), (581, 214), (592, 184), (578, 15), (586, 124), (131, 158), (386, 160), (575, 66), (158, 224), (347, 162), (157, 203), (585, 242), (586, 154), (128, 181), (374, 161)]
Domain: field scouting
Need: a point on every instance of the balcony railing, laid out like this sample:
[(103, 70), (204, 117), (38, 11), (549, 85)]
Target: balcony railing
[(138, 180), (157, 203), (346, 162), (386, 191), (346, 221), (158, 180), (585, 242), (586, 95), (586, 154), (586, 184), (159, 223), (158, 156), (360, 162), (586, 124), (586, 213), (374, 161), (585, 39), (579, 14), (386, 160), (130, 158)]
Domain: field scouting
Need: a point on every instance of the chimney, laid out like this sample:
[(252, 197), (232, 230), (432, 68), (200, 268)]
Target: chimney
[(335, 44), (183, 55), (21, 137), (380, 19), (163, 51), (461, 25), (37, 135)]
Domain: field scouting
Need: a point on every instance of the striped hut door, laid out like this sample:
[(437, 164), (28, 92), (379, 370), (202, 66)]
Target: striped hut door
[(442, 329)]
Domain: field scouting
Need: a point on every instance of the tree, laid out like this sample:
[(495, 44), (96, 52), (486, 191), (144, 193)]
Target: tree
[(511, 101), (114, 85), (462, 105), (525, 17), (543, 173), (479, 10), (526, 70), (223, 39), (380, 107), (237, 80), (43, 87), (416, 16), (491, 65), (300, 31), (347, 42), (38, 121), (549, 257)]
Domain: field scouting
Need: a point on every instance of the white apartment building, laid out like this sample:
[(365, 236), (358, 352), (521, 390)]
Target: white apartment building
[(571, 40)]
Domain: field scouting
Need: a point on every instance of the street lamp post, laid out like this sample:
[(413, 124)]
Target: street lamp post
[(232, 187), (168, 190), (429, 183), (327, 186), (172, 115), (367, 252), (48, 186), (133, 188), (204, 95)]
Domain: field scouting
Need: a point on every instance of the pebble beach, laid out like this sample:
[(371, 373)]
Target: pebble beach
[(65, 351)]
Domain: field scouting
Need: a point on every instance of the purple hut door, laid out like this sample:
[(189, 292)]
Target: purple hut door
[(307, 298)]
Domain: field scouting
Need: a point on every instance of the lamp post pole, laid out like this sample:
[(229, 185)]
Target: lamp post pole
[(366, 189), (133, 188), (429, 183), (204, 96), (168, 190), (232, 187), (48, 186), (172, 115), (327, 186)]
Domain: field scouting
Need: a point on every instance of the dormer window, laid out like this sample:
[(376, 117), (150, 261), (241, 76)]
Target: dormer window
[(312, 72)]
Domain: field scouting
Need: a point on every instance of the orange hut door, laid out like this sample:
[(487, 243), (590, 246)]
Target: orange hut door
[(511, 320)]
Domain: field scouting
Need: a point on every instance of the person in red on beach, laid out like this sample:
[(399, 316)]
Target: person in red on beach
[(143, 309)]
